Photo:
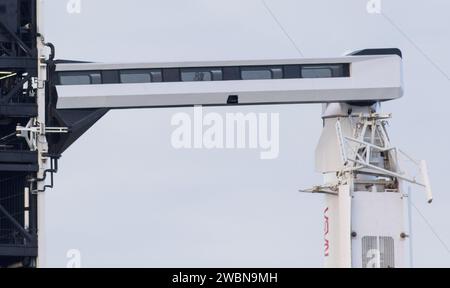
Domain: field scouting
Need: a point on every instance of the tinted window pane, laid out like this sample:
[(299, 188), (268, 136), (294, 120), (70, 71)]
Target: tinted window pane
[(291, 71), (156, 76), (80, 78), (196, 76), (137, 76), (325, 71), (316, 72), (254, 73), (231, 73), (199, 74), (277, 73), (75, 80), (96, 78)]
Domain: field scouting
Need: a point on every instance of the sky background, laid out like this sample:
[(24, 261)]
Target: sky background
[(124, 197)]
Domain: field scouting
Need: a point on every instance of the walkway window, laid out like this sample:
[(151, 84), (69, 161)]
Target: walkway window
[(80, 78), (324, 71), (258, 73), (140, 76), (201, 74)]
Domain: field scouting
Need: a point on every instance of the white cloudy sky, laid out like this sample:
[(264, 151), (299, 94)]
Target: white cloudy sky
[(125, 197)]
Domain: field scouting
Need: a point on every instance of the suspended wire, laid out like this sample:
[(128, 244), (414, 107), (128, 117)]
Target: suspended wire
[(282, 28), (431, 228), (417, 47)]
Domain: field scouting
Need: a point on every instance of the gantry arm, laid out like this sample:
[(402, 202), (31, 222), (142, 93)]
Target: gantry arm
[(81, 93), (346, 79)]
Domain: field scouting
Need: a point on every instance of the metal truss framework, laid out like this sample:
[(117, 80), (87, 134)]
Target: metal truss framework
[(361, 153), (18, 163)]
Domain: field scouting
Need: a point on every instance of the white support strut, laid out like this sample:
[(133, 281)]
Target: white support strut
[(41, 143)]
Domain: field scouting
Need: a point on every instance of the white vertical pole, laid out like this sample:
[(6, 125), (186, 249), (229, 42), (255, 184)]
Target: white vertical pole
[(42, 141), (345, 226), (411, 257), (26, 204)]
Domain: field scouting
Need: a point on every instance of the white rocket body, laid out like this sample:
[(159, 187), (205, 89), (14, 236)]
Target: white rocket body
[(365, 220)]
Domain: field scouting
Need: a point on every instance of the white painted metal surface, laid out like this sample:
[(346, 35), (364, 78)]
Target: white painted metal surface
[(380, 215), (42, 145), (230, 63), (365, 215), (376, 78)]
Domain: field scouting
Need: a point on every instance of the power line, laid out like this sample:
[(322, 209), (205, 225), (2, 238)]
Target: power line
[(282, 28), (425, 55), (431, 228)]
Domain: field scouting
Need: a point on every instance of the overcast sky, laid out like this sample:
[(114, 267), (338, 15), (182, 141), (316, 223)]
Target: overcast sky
[(125, 197)]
